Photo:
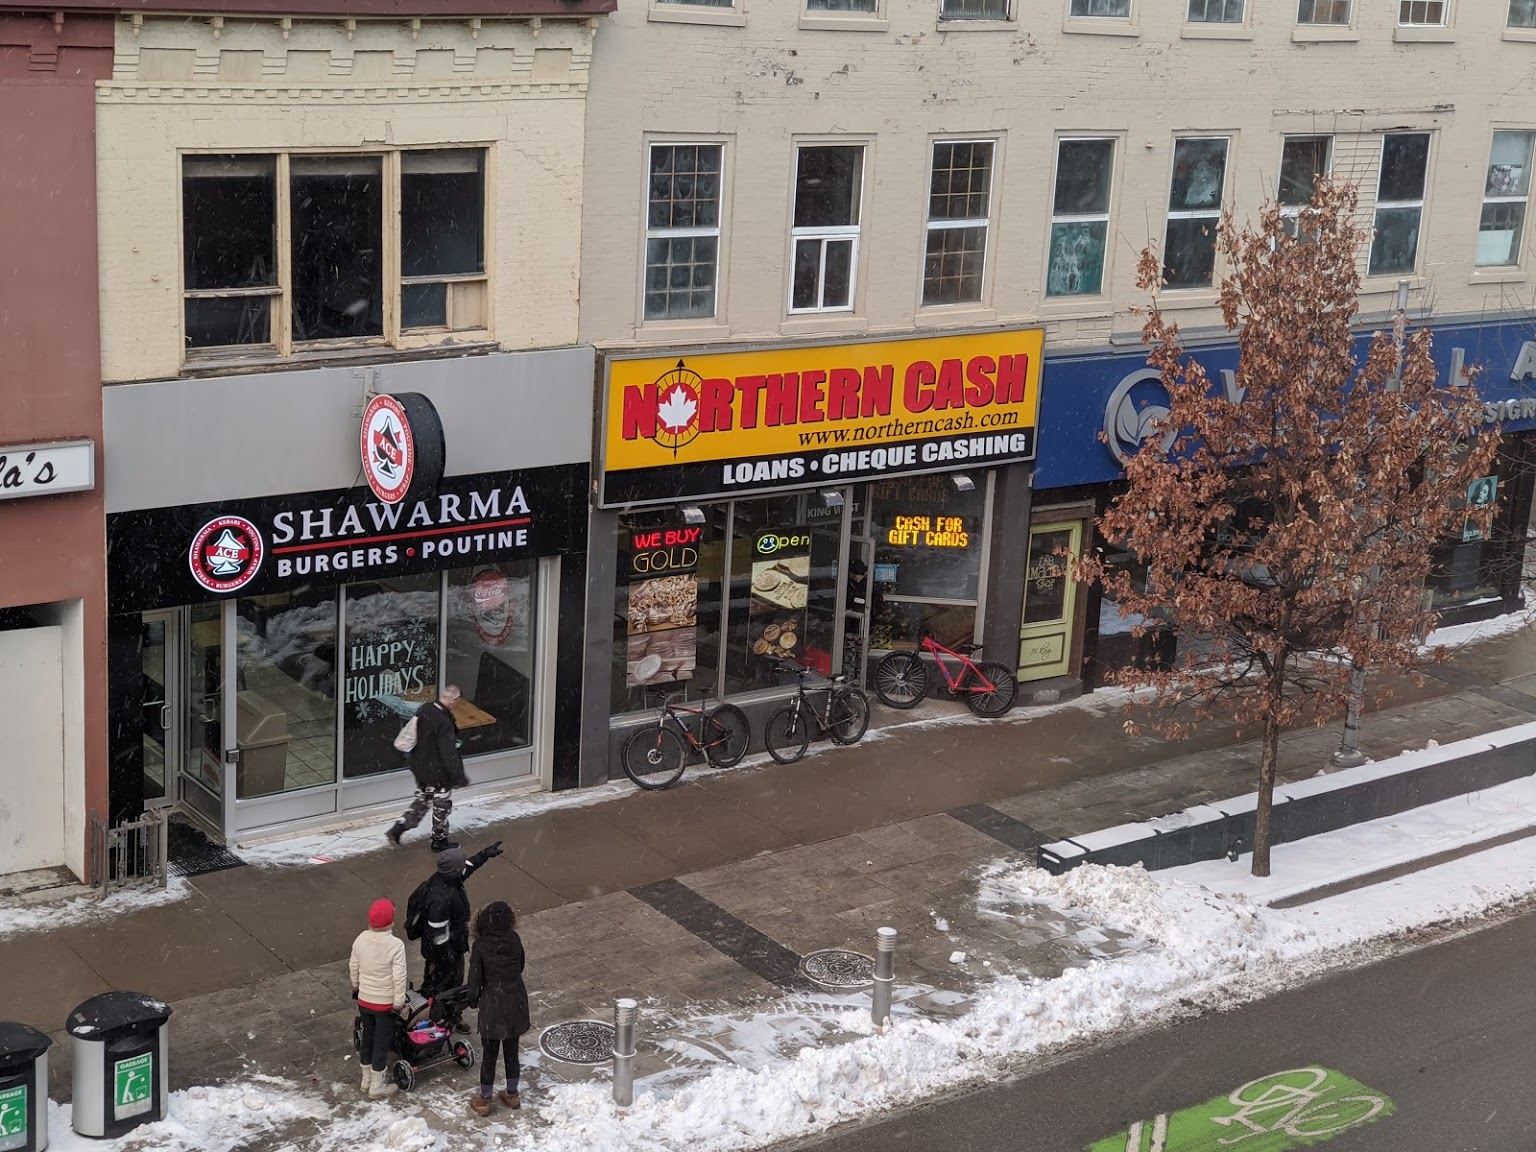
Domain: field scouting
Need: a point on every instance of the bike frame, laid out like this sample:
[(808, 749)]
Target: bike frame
[(966, 663), (674, 712)]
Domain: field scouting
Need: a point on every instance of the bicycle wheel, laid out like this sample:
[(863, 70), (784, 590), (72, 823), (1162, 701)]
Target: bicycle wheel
[(1278, 1086), (901, 680), (847, 716), (653, 757), (787, 735), (1327, 1118), (1005, 689), (725, 736)]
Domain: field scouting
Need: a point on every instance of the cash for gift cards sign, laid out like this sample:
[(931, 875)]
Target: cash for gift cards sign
[(132, 1086), (13, 1118)]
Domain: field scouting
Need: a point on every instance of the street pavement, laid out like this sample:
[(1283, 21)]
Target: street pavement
[(1446, 1036), (707, 896)]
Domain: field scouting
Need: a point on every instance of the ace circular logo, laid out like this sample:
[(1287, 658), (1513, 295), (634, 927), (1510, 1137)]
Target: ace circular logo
[(389, 449), (226, 554)]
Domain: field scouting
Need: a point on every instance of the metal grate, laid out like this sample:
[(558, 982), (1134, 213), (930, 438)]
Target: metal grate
[(132, 852), (838, 968), (578, 1042)]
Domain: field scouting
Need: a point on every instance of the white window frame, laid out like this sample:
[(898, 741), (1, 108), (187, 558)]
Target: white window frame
[(1407, 8), (282, 344), (1191, 18), (1214, 215), (930, 225), (1347, 22), (1525, 200), (648, 233), (825, 233), (1073, 15), (1081, 217), (1008, 15), (1293, 211), (1419, 203)]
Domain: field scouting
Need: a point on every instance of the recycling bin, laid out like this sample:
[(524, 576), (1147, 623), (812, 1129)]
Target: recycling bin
[(23, 1088), (120, 1045), (261, 732)]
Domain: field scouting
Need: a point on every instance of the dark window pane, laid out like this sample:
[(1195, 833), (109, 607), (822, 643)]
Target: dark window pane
[(1522, 13), (1199, 170), (680, 277), (1077, 259), (1216, 11), (837, 292), (1323, 12), (1396, 246), (973, 10), (1189, 259), (491, 651), (827, 186), (841, 5), (337, 239), (213, 323), (961, 182), (807, 274), (389, 667), (442, 213), (952, 269), (1083, 171), (684, 186), (229, 222), (423, 305), (1101, 7), (1404, 159), (1302, 161)]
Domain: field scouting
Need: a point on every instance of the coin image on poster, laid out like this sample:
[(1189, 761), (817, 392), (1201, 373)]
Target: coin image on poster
[(787, 640), (647, 667), (771, 632), (766, 580)]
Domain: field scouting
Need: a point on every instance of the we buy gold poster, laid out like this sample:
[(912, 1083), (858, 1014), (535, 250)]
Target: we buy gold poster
[(718, 424)]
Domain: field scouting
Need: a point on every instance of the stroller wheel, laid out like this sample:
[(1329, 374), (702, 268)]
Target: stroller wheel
[(404, 1075), (463, 1054)]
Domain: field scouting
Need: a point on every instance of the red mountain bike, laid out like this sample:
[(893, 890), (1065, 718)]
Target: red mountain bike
[(988, 688)]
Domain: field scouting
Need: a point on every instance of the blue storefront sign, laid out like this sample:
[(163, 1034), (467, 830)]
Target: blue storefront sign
[(1095, 409)]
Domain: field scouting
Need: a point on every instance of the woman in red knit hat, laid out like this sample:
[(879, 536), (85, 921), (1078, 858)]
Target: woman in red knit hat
[(377, 969)]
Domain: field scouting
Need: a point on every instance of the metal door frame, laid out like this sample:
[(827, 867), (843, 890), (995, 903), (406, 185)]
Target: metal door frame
[(174, 691)]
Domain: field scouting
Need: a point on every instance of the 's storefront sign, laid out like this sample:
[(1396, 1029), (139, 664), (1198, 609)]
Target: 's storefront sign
[(732, 423), (186, 555), (47, 469), (402, 446)]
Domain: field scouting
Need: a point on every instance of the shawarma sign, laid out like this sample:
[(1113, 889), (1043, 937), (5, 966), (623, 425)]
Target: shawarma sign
[(691, 425)]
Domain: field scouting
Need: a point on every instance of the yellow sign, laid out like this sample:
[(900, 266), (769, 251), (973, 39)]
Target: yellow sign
[(722, 423)]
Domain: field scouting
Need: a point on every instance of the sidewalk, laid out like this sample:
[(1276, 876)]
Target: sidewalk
[(707, 896)]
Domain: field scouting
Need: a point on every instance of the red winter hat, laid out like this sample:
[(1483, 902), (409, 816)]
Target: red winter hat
[(381, 914)]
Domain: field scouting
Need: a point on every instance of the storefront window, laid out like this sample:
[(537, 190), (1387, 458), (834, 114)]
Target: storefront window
[(928, 544), (490, 653), (783, 591), (666, 626), (285, 679), (389, 667)]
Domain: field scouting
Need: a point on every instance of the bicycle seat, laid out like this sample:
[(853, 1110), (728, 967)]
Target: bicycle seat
[(792, 668), (967, 649)]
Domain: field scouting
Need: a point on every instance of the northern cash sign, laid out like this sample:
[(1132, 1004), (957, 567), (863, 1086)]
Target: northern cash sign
[(723, 424)]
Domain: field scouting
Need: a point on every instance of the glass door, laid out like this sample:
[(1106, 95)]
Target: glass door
[(159, 649), (202, 763), (1050, 601), (857, 596)]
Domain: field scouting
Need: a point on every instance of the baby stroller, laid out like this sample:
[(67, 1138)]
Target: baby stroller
[(421, 1035)]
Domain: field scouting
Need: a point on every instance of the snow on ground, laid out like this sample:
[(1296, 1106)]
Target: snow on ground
[(22, 916), (1206, 940), (1480, 630)]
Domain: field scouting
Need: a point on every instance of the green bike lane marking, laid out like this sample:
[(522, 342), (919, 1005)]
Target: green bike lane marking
[(1296, 1108)]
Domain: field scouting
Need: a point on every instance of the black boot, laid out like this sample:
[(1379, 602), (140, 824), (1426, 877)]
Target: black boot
[(394, 834), (444, 844)]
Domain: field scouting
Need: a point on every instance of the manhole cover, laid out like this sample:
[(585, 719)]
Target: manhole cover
[(839, 968), (578, 1042)]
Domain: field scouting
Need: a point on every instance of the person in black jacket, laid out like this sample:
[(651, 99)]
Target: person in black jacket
[(445, 920), (496, 988), (438, 768)]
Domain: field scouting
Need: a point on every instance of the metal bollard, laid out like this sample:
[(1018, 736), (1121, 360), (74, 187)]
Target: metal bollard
[(625, 1012), (885, 976)]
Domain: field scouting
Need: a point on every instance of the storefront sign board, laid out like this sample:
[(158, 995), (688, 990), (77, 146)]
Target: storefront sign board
[(47, 469), (723, 424), (660, 601), (161, 557)]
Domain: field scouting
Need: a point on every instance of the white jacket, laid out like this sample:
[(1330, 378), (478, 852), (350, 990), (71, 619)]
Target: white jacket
[(377, 967)]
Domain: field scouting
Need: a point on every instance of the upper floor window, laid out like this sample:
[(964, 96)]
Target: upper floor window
[(1117, 8), (1324, 12), (1216, 11), (973, 9), (1522, 13), (1195, 195), (959, 204), (1302, 160), (1399, 202), (682, 230), (1080, 217), (1508, 188), (239, 294), (870, 7), (829, 190), (1421, 13)]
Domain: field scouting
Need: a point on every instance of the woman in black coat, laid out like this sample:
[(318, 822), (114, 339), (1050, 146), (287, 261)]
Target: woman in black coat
[(496, 988)]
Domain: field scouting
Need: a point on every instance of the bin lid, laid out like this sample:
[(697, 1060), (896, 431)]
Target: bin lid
[(101, 1015), (19, 1043)]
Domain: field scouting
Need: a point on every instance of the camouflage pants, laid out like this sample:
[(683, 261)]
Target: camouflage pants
[(440, 800)]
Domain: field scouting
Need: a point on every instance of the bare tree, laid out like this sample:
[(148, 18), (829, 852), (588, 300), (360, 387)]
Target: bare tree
[(1288, 532)]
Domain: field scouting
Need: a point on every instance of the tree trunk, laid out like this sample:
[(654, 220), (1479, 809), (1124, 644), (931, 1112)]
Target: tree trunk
[(1271, 754)]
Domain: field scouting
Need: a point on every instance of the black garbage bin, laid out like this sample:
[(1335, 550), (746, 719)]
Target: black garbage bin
[(119, 1043), (23, 1088)]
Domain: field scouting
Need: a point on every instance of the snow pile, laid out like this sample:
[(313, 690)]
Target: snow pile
[(226, 1118), (17, 917)]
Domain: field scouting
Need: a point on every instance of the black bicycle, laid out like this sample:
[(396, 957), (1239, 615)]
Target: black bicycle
[(654, 756), (844, 716)]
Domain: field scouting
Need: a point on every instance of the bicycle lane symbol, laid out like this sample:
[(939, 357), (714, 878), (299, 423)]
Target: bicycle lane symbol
[(1300, 1107)]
